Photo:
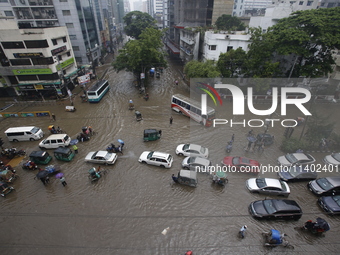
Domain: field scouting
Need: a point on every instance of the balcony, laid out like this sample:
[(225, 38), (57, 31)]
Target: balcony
[(186, 50), (187, 40)]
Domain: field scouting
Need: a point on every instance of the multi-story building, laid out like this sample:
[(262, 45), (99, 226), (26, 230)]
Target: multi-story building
[(36, 60), (89, 22), (159, 13)]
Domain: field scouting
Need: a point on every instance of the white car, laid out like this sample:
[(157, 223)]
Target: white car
[(333, 159), (298, 158), (101, 157), (196, 163), (268, 186), (156, 158), (191, 150), (55, 141)]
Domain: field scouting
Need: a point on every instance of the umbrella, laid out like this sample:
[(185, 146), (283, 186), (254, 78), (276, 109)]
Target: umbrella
[(251, 139), (42, 174), (59, 175), (120, 141), (74, 141), (323, 224)]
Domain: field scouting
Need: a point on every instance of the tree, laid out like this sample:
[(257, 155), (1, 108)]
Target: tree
[(228, 22), (136, 22), (309, 37), (231, 63), (196, 69), (137, 56)]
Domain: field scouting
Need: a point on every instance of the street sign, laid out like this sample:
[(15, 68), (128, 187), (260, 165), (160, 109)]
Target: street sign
[(142, 75)]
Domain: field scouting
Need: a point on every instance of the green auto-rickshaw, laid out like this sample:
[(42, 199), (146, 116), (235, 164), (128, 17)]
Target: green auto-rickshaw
[(64, 154), (151, 134), (40, 157)]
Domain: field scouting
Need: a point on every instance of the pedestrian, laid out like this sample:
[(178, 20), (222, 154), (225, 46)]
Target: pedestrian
[(75, 148), (120, 149), (171, 119), (47, 179), (160, 132), (53, 117), (90, 130), (176, 82), (43, 181), (122, 144), (233, 137), (62, 180), (174, 178)]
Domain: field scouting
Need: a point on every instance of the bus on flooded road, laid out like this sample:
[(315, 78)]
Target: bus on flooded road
[(97, 91), (192, 109)]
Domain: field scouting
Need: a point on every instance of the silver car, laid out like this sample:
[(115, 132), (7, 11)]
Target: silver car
[(333, 159), (101, 157), (268, 186), (298, 158), (196, 163), (192, 150)]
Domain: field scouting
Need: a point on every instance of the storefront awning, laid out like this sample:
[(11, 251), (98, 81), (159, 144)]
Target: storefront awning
[(172, 47)]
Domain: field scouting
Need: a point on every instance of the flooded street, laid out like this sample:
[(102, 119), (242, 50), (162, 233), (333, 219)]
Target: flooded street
[(125, 211)]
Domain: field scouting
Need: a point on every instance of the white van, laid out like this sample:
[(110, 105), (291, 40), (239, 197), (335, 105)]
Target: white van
[(31, 133), (55, 141)]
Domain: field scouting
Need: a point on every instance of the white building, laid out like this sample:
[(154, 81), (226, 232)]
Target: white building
[(217, 43), (36, 59)]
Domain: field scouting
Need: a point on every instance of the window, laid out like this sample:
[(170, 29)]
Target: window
[(60, 57), (73, 37), (75, 48), (64, 39), (68, 54), (13, 45), (330, 5), (235, 6), (69, 25), (42, 61), (229, 48), (309, 3), (62, 1), (8, 13), (212, 47), (3, 1), (79, 60), (20, 62), (36, 44), (54, 41), (301, 3), (54, 76), (27, 77), (66, 13)]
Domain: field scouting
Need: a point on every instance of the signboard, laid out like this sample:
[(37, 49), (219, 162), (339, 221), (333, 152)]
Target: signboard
[(84, 79), (28, 55), (65, 63), (31, 71), (39, 86), (142, 75), (59, 92), (58, 50)]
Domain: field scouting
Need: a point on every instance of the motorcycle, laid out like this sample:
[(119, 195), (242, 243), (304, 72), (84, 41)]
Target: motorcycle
[(274, 238), (11, 153), (319, 227), (229, 146), (146, 97), (29, 165)]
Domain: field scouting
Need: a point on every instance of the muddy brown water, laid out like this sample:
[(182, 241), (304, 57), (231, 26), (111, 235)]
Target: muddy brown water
[(126, 210)]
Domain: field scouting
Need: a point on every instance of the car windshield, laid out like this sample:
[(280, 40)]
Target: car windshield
[(169, 158), (190, 159), (337, 199), (66, 138), (236, 161), (186, 146), (35, 130), (336, 156), (291, 158), (324, 184), (261, 183), (108, 156), (150, 154), (202, 150), (269, 206), (283, 186), (294, 171)]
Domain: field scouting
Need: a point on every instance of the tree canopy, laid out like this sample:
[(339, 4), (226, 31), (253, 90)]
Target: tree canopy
[(137, 56), (136, 22), (228, 22), (197, 69), (231, 63)]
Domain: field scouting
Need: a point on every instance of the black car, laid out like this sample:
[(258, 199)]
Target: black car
[(328, 186), (275, 209), (330, 204)]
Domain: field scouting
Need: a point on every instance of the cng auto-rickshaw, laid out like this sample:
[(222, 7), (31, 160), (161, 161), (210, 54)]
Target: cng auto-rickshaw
[(64, 154), (187, 177), (7, 176), (151, 135), (40, 157), (138, 116)]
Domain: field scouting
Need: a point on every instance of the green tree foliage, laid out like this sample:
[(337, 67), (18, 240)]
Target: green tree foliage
[(140, 55), (197, 69), (292, 144), (231, 63), (228, 22), (136, 22)]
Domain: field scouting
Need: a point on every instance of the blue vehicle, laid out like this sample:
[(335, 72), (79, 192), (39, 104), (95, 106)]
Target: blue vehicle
[(97, 91)]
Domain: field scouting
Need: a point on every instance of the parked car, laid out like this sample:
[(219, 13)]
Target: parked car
[(101, 157), (268, 186), (325, 186), (196, 163), (275, 209), (156, 158), (298, 158), (297, 173), (192, 150), (241, 164), (330, 204), (333, 159)]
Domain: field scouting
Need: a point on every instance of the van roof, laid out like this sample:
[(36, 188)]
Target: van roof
[(18, 129), (56, 136)]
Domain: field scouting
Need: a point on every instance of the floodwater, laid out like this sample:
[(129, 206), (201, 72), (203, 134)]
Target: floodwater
[(125, 211)]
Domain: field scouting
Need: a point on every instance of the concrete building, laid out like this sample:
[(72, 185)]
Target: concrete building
[(36, 59), (89, 22)]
